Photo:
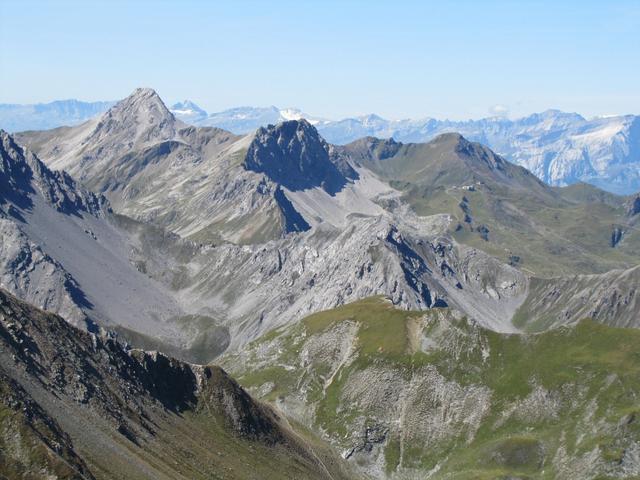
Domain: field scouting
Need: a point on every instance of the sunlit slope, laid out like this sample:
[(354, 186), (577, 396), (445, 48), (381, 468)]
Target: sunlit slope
[(404, 393)]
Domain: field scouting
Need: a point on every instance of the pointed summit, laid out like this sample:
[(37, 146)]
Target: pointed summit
[(142, 116), (142, 94), (142, 101), (473, 155)]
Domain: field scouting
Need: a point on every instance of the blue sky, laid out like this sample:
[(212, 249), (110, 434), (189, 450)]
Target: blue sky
[(454, 59)]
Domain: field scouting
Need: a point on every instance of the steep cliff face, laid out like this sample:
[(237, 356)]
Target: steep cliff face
[(31, 190), (85, 407), (22, 175), (407, 394)]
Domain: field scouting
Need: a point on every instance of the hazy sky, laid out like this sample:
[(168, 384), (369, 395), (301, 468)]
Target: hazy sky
[(446, 59)]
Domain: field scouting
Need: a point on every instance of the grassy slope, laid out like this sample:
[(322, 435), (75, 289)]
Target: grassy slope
[(552, 237), (553, 231), (590, 374), (198, 447)]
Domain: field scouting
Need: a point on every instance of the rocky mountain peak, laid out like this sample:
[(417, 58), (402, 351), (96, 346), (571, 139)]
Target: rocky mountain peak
[(188, 111), (10, 153), (142, 116), (472, 153), (144, 101), (142, 93), (294, 155), (186, 104), (450, 138)]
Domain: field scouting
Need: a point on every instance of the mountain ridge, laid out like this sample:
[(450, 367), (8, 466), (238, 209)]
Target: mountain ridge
[(560, 148), (611, 143)]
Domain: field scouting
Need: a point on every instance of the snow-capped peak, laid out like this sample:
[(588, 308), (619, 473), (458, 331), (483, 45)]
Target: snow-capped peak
[(297, 114), (187, 108)]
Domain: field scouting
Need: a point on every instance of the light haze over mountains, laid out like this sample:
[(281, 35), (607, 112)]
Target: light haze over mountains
[(225, 286), (560, 148)]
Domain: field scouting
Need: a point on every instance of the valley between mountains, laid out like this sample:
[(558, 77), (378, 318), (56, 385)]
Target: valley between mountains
[(387, 309)]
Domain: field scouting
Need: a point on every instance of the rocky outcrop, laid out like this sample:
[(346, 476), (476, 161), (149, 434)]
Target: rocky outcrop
[(611, 298), (22, 174), (294, 155), (633, 206)]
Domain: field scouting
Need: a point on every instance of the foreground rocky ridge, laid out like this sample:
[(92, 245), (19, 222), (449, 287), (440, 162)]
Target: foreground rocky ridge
[(431, 395), (79, 405)]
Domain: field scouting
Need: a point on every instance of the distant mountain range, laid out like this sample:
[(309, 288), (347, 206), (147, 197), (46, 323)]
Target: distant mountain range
[(559, 148), (42, 116)]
